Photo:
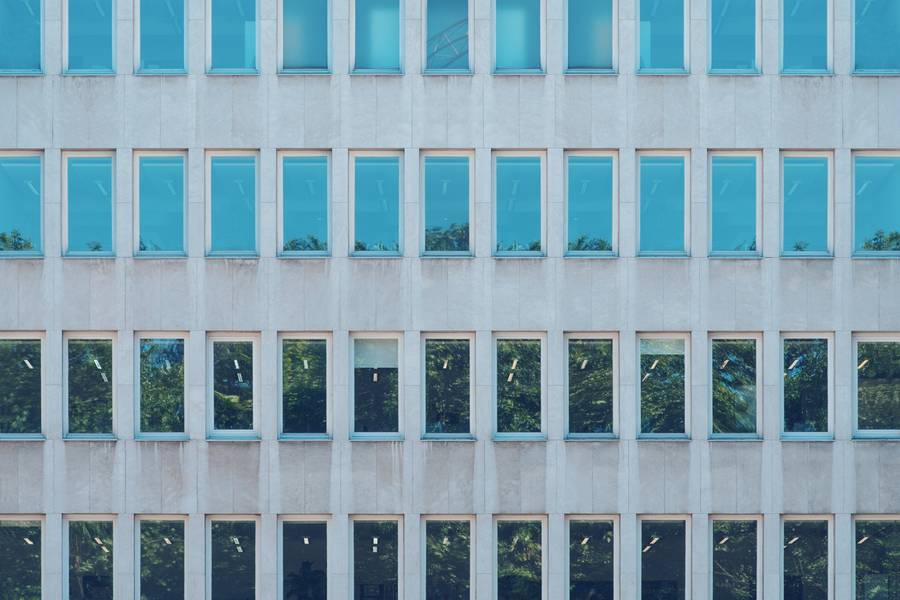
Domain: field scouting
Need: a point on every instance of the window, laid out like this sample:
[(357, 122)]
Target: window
[(518, 35), (303, 195), (375, 193), (521, 568), (89, 541), (20, 37), (90, 40), (231, 559), (304, 558), (304, 28), (876, 212), (304, 386), (376, 386), (877, 386), (664, 558), (591, 36), (20, 395), (876, 36), (519, 408), (663, 385), (519, 200), (161, 198), (663, 221), (735, 559), (88, 195), (20, 557), (593, 560), (232, 36), (449, 568), (807, 553), (663, 45), (448, 385), (20, 201), (806, 388), (806, 204), (591, 385), (160, 557), (377, 36), (233, 410), (805, 35), (376, 558), (877, 549), (161, 385), (734, 30), (736, 385), (590, 203), (448, 200), (231, 205), (735, 204), (161, 47), (89, 385), (447, 36)]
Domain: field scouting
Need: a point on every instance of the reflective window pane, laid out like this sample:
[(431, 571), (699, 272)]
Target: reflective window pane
[(662, 385), (661, 35), (20, 394), (377, 204), (734, 386), (161, 559), (447, 46), (90, 560), (232, 559), (804, 43), (304, 380), (162, 35), (375, 386), (733, 35), (876, 35), (519, 560), (734, 560), (233, 198), (305, 560), (662, 210), (518, 386), (375, 560), (20, 559), (446, 203), (90, 203), (590, 203), (233, 35), (876, 216), (878, 386), (592, 573), (447, 562), (517, 35), (590, 386), (90, 386), (877, 559), (20, 36), (733, 197), (377, 39), (20, 202), (162, 385), (305, 203), (805, 560), (447, 386), (161, 203), (663, 560), (305, 35), (91, 39), (805, 203), (518, 190), (590, 30), (805, 385), (233, 385)]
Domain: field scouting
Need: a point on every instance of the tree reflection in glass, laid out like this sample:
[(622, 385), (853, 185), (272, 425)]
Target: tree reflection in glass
[(518, 386), (376, 386), (591, 560), (304, 552), (375, 560), (303, 385), (734, 560), (20, 394), (20, 560), (662, 385), (233, 385), (90, 386), (805, 560), (233, 560), (519, 560), (162, 385), (878, 385), (90, 560), (805, 385), (447, 560), (162, 559), (447, 386), (663, 560), (734, 385), (877, 559), (590, 386)]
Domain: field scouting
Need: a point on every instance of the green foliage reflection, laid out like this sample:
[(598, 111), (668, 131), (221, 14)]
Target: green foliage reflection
[(20, 394), (805, 560), (662, 386), (453, 238), (518, 386), (806, 385), (662, 560), (590, 386), (375, 560), (162, 385), (162, 560), (90, 560), (734, 386), (734, 560), (447, 562), (14, 241), (883, 242), (447, 386), (233, 385), (877, 560), (519, 560), (90, 386), (591, 566), (20, 560), (233, 560), (878, 385), (303, 380)]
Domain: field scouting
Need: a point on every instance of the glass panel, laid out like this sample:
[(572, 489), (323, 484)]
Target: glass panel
[(378, 35), (304, 383), (446, 203), (805, 560), (518, 35), (447, 386), (161, 202), (233, 35), (20, 559), (305, 34), (591, 560), (733, 203), (877, 206), (447, 46), (518, 198), (20, 36), (878, 385), (447, 562), (305, 197), (877, 560), (805, 196), (233, 197), (662, 385), (733, 35), (305, 556), (90, 203), (662, 203), (233, 385), (805, 35), (90, 386), (805, 385), (375, 560), (877, 35), (162, 560), (20, 201), (662, 35), (90, 560), (734, 560), (90, 26), (590, 386), (734, 386), (233, 559), (376, 386), (162, 35), (590, 197), (518, 386), (162, 385), (590, 34), (377, 204), (519, 558), (20, 394), (662, 560)]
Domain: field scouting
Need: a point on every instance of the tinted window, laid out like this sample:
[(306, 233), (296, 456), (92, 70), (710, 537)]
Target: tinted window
[(878, 385), (232, 385), (233, 560), (590, 386), (804, 41), (305, 203), (518, 204), (378, 35), (90, 386), (20, 203), (592, 565), (805, 204), (447, 562), (305, 34), (233, 35), (90, 204), (734, 386), (377, 204), (162, 35), (447, 386), (518, 35), (161, 203), (162, 560), (20, 559), (590, 34), (805, 560), (518, 386), (519, 560), (446, 204), (20, 394), (661, 35), (877, 203), (733, 197), (805, 385), (663, 560), (162, 385), (590, 203), (877, 559), (376, 386), (375, 560), (233, 198), (447, 46), (90, 560), (20, 36), (90, 27), (876, 35), (733, 35), (305, 556), (662, 386), (303, 385), (734, 560), (662, 210)]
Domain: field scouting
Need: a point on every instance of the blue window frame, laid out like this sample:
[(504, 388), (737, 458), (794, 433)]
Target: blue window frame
[(89, 204), (447, 201), (806, 204), (304, 204), (91, 37), (734, 204), (805, 36), (304, 36), (519, 200), (732, 36), (590, 30), (161, 201), (232, 204), (20, 204), (876, 36), (232, 36), (20, 36), (876, 208), (447, 44), (663, 221), (376, 205), (517, 36), (590, 204), (162, 37), (377, 37), (662, 39)]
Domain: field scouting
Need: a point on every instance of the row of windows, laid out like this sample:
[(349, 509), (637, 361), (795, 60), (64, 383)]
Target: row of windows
[(375, 384), (447, 203), (520, 557), (377, 39)]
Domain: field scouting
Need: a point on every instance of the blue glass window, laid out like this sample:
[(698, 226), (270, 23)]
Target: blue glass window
[(805, 199), (733, 195), (804, 28), (733, 36), (20, 204), (305, 203), (305, 35), (590, 30), (447, 47), (662, 210), (233, 204), (446, 204), (590, 204), (89, 184), (518, 198), (661, 36), (518, 36), (91, 36), (876, 181), (20, 36), (377, 40), (233, 31), (876, 36), (377, 204), (161, 201), (162, 36)]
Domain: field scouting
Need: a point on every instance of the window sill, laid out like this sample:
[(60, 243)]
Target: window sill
[(232, 437), (324, 71), (159, 255), (663, 437), (303, 255), (229, 72), (445, 72), (90, 437), (876, 436), (875, 73), (161, 437), (591, 437), (504, 72), (375, 254), (304, 437), (447, 437), (23, 73), (577, 71), (22, 437), (378, 72), (736, 255), (676, 72), (666, 255), (520, 254), (427, 254), (734, 72), (810, 73), (519, 437), (21, 254), (234, 255), (735, 437), (88, 73), (808, 255), (376, 437), (83, 255), (589, 254), (876, 255), (807, 437), (160, 72)]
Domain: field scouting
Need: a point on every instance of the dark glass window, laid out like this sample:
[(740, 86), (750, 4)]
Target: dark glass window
[(233, 560), (20, 559), (90, 560), (447, 386), (376, 386), (303, 385), (877, 559), (232, 385), (662, 385), (590, 386), (805, 560), (878, 386), (663, 560), (518, 386), (162, 560), (305, 556), (806, 385), (734, 560), (734, 385), (90, 386), (447, 560), (20, 394), (375, 560), (592, 573), (519, 560), (162, 385)]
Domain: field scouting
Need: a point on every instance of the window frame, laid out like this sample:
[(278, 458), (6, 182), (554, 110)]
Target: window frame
[(471, 520), (370, 436), (64, 178), (867, 254), (208, 68), (208, 200), (137, 32), (854, 385), (42, 523), (757, 156), (688, 545), (686, 154), (136, 191), (471, 39), (760, 571), (829, 43), (804, 435), (39, 253), (280, 155), (313, 518), (213, 434), (567, 70), (853, 69), (401, 213), (543, 51), (368, 517), (401, 42), (137, 544), (64, 25), (612, 336), (160, 435), (686, 53), (41, 337), (470, 156), (686, 337), (740, 335), (617, 560), (829, 156), (209, 518), (894, 517), (829, 518), (539, 436), (542, 154), (307, 71), (40, 70), (614, 155), (112, 337), (545, 535), (757, 57), (448, 335), (323, 336), (67, 518)]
